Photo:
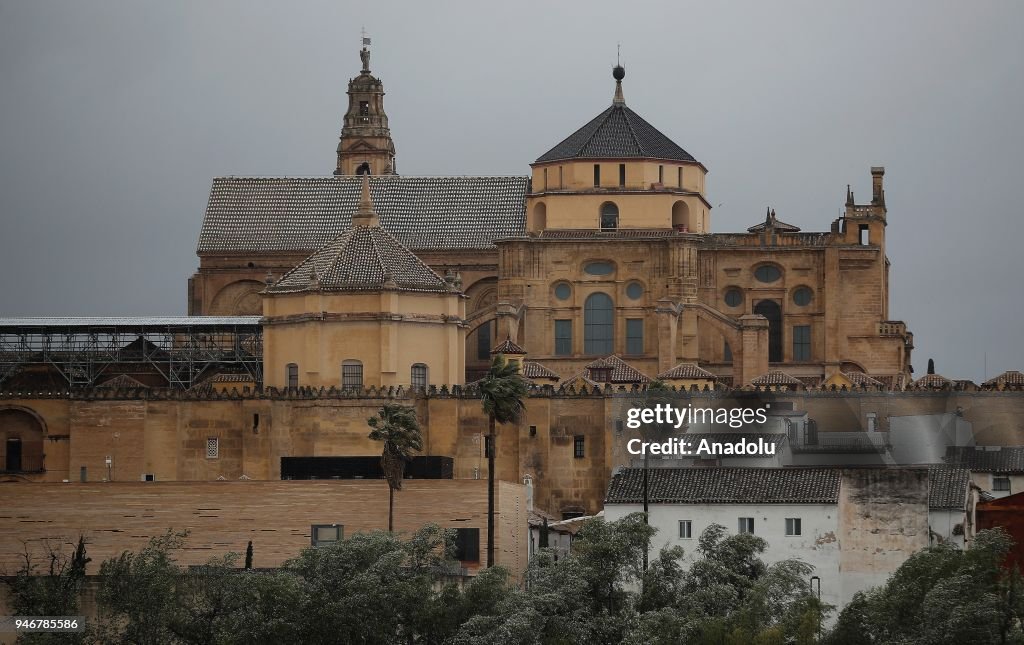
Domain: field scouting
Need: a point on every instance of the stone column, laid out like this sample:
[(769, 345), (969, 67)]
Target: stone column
[(753, 359)]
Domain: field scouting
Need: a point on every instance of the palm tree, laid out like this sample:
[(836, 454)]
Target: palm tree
[(396, 425), (502, 391)]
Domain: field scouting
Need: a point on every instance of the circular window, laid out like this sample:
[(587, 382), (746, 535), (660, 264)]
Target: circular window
[(563, 291), (767, 273), (599, 268), (803, 296), (734, 297), (634, 290)]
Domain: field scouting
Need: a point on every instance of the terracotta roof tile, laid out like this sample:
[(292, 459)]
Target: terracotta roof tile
[(726, 486), (686, 371), (622, 372), (533, 370), (989, 459), (776, 377), (947, 487), (508, 347)]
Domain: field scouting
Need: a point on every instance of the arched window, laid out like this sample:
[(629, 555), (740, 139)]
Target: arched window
[(681, 216), (609, 216), (352, 374), (598, 324), (540, 216), (292, 375), (419, 376), (363, 169), (773, 312)]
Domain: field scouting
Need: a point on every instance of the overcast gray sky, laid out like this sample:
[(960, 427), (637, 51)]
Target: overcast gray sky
[(114, 117)]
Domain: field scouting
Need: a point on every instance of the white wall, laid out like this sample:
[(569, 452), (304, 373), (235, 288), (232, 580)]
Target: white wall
[(818, 545)]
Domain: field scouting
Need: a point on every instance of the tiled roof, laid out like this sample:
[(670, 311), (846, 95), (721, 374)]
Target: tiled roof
[(508, 347), (861, 379), (363, 258), (122, 381), (947, 487), (892, 381), (988, 459), (622, 372), (534, 370), (686, 371), (936, 381), (580, 379), (1010, 377), (300, 215), (726, 486), (617, 133), (776, 377), (130, 321)]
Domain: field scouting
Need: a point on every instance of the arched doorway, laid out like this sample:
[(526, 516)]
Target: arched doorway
[(773, 312), (21, 439), (681, 216)]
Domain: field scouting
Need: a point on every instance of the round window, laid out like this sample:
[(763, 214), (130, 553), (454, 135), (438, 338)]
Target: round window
[(563, 291), (803, 296), (734, 297), (598, 268), (767, 273), (634, 290)]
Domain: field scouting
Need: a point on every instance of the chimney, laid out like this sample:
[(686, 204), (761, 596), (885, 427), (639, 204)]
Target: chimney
[(877, 192)]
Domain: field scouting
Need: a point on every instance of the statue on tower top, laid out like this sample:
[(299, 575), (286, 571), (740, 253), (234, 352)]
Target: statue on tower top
[(364, 53)]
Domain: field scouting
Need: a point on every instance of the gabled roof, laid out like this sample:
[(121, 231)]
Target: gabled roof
[(534, 370), (1009, 377), (776, 377), (617, 133), (302, 214), (861, 379), (363, 258), (947, 487), (508, 347), (122, 381), (726, 486), (932, 381), (771, 222), (687, 371), (622, 372), (988, 459)]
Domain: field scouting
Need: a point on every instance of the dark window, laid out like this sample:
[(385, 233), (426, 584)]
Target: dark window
[(352, 375), (467, 545), (727, 353), (746, 525), (483, 341), (865, 235), (609, 217), (419, 376), (13, 462), (622, 174), (1001, 484), (563, 337), (634, 336), (578, 447), (83, 474), (792, 526), (771, 310), (149, 477), (601, 374), (571, 515), (685, 529), (563, 291), (802, 296), (364, 108), (325, 534), (680, 177), (733, 297), (767, 273), (597, 174), (634, 290), (802, 343), (598, 324), (661, 174), (811, 433), (560, 177), (293, 375), (545, 179)]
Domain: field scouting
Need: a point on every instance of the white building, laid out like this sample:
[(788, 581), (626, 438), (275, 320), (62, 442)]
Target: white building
[(855, 526)]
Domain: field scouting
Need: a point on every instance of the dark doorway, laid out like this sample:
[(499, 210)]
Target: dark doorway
[(363, 169), (773, 312), (13, 461)]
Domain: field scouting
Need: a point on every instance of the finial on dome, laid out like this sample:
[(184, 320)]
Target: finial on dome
[(618, 73), (365, 215)]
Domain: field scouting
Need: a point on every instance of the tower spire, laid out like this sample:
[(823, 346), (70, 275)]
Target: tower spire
[(365, 145), (618, 73), (365, 215)]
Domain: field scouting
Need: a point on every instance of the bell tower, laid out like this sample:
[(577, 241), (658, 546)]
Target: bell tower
[(365, 146)]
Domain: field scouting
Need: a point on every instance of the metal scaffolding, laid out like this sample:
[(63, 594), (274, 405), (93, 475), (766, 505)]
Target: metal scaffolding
[(183, 350)]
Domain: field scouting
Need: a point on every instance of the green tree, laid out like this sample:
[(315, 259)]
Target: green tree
[(49, 588), (502, 391), (397, 427)]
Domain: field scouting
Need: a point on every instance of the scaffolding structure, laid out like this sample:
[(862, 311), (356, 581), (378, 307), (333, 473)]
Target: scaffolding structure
[(86, 351)]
